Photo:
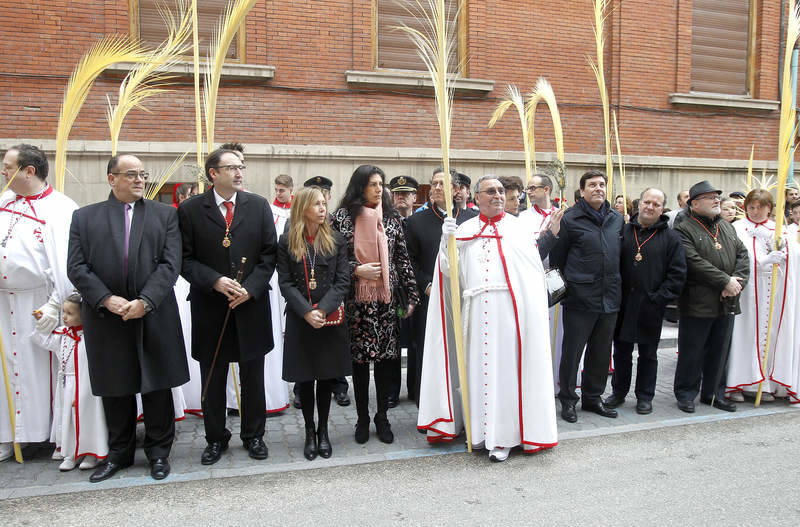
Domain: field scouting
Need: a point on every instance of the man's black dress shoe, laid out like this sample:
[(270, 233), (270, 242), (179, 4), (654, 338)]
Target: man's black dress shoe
[(614, 401), (233, 412), (568, 412), (341, 398), (720, 403), (106, 470), (599, 408), (643, 407), (256, 448), (214, 450), (159, 468), (393, 401), (686, 406)]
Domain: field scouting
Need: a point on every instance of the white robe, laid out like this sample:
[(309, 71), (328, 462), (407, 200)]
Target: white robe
[(504, 304), (79, 422), (750, 327), (275, 388), (33, 267), (193, 389), (786, 367)]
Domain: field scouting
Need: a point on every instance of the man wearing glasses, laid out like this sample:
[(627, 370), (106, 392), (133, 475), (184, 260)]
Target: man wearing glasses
[(124, 258), (220, 228), (34, 222), (718, 269)]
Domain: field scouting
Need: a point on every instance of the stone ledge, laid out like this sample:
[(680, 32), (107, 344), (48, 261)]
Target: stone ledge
[(407, 79), (250, 72), (723, 101)]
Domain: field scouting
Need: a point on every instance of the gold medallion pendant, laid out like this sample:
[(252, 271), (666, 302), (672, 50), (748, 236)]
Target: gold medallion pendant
[(718, 246), (312, 284), (226, 242), (638, 257)]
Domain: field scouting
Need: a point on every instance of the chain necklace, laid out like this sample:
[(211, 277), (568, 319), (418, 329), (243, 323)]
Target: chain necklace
[(639, 246), (312, 283), (714, 236)]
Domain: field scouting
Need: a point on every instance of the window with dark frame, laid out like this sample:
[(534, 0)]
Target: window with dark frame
[(721, 46)]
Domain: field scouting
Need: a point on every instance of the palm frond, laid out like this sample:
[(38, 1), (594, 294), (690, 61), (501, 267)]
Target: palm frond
[(514, 98), (544, 92), (154, 188), (230, 22), (8, 183), (750, 167), (601, 12), (198, 110), (621, 166), (144, 80), (100, 56)]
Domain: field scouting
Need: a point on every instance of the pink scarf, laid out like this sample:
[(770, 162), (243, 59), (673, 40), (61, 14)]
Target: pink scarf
[(370, 245)]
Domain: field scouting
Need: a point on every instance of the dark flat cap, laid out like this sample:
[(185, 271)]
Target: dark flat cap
[(318, 181)]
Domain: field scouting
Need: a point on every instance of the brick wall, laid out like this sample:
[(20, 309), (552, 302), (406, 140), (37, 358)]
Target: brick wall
[(312, 44)]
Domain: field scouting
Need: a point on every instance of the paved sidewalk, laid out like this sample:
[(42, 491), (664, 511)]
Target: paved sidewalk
[(39, 475)]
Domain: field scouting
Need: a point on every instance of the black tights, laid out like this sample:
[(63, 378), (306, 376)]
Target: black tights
[(383, 385), (323, 401)]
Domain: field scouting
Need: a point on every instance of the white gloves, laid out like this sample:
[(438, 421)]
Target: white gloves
[(49, 320), (448, 227), (774, 257)]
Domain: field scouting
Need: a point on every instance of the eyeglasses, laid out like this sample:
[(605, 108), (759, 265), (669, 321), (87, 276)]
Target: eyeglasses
[(535, 187), (233, 168), (131, 175), (493, 191)]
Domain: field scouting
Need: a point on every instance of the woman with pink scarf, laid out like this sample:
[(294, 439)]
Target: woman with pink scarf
[(382, 290)]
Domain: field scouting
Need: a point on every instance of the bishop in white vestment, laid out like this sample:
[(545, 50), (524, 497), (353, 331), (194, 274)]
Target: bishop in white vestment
[(506, 335)]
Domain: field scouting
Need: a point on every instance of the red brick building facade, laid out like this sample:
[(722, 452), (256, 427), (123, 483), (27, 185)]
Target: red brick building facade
[(307, 96)]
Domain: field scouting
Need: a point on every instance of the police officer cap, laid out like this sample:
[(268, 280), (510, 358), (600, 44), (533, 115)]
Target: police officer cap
[(318, 181), (403, 184)]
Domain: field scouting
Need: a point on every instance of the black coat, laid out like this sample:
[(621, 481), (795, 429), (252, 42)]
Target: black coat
[(587, 253), (308, 353), (650, 284), (142, 355), (252, 235), (423, 235)]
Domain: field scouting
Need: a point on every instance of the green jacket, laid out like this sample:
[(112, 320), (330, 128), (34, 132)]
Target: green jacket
[(710, 269)]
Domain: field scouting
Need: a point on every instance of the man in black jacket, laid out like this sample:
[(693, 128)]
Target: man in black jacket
[(587, 252), (124, 258), (718, 268), (219, 228), (423, 233), (653, 266)]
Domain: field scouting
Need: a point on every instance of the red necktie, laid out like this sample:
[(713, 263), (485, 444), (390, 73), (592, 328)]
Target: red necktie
[(228, 213)]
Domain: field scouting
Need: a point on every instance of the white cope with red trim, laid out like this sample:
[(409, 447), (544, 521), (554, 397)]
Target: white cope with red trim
[(504, 313)]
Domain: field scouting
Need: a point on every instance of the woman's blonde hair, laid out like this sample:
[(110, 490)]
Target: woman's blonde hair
[(324, 242)]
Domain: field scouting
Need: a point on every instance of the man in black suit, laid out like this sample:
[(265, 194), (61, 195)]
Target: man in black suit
[(219, 228), (423, 234), (124, 258)]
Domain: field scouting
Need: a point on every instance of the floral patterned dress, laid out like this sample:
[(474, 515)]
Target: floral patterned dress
[(375, 326)]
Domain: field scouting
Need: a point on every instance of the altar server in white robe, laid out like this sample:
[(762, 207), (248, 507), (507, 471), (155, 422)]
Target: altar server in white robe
[(749, 341), (34, 231), (506, 335)]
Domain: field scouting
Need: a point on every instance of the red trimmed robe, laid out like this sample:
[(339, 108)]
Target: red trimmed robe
[(506, 335)]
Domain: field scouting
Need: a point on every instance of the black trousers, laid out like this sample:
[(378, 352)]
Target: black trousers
[(703, 345), (254, 405), (594, 331), (159, 425), (383, 383), (646, 369)]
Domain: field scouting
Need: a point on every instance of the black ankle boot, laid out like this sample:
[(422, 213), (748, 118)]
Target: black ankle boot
[(383, 428), (310, 448), (362, 431), (325, 448)]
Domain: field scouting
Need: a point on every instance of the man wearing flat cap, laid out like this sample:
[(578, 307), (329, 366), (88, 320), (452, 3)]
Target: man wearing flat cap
[(718, 268)]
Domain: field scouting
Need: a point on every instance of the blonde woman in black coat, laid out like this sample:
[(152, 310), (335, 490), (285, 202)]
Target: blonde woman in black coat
[(314, 277)]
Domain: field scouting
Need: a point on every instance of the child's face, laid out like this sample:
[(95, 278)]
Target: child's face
[(71, 314)]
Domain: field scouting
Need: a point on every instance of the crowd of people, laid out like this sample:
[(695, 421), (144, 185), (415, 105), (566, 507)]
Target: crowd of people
[(131, 309)]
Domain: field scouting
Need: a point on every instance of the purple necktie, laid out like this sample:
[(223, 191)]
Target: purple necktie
[(127, 239)]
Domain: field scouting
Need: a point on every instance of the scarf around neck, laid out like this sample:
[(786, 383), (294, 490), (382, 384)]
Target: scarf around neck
[(370, 245)]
